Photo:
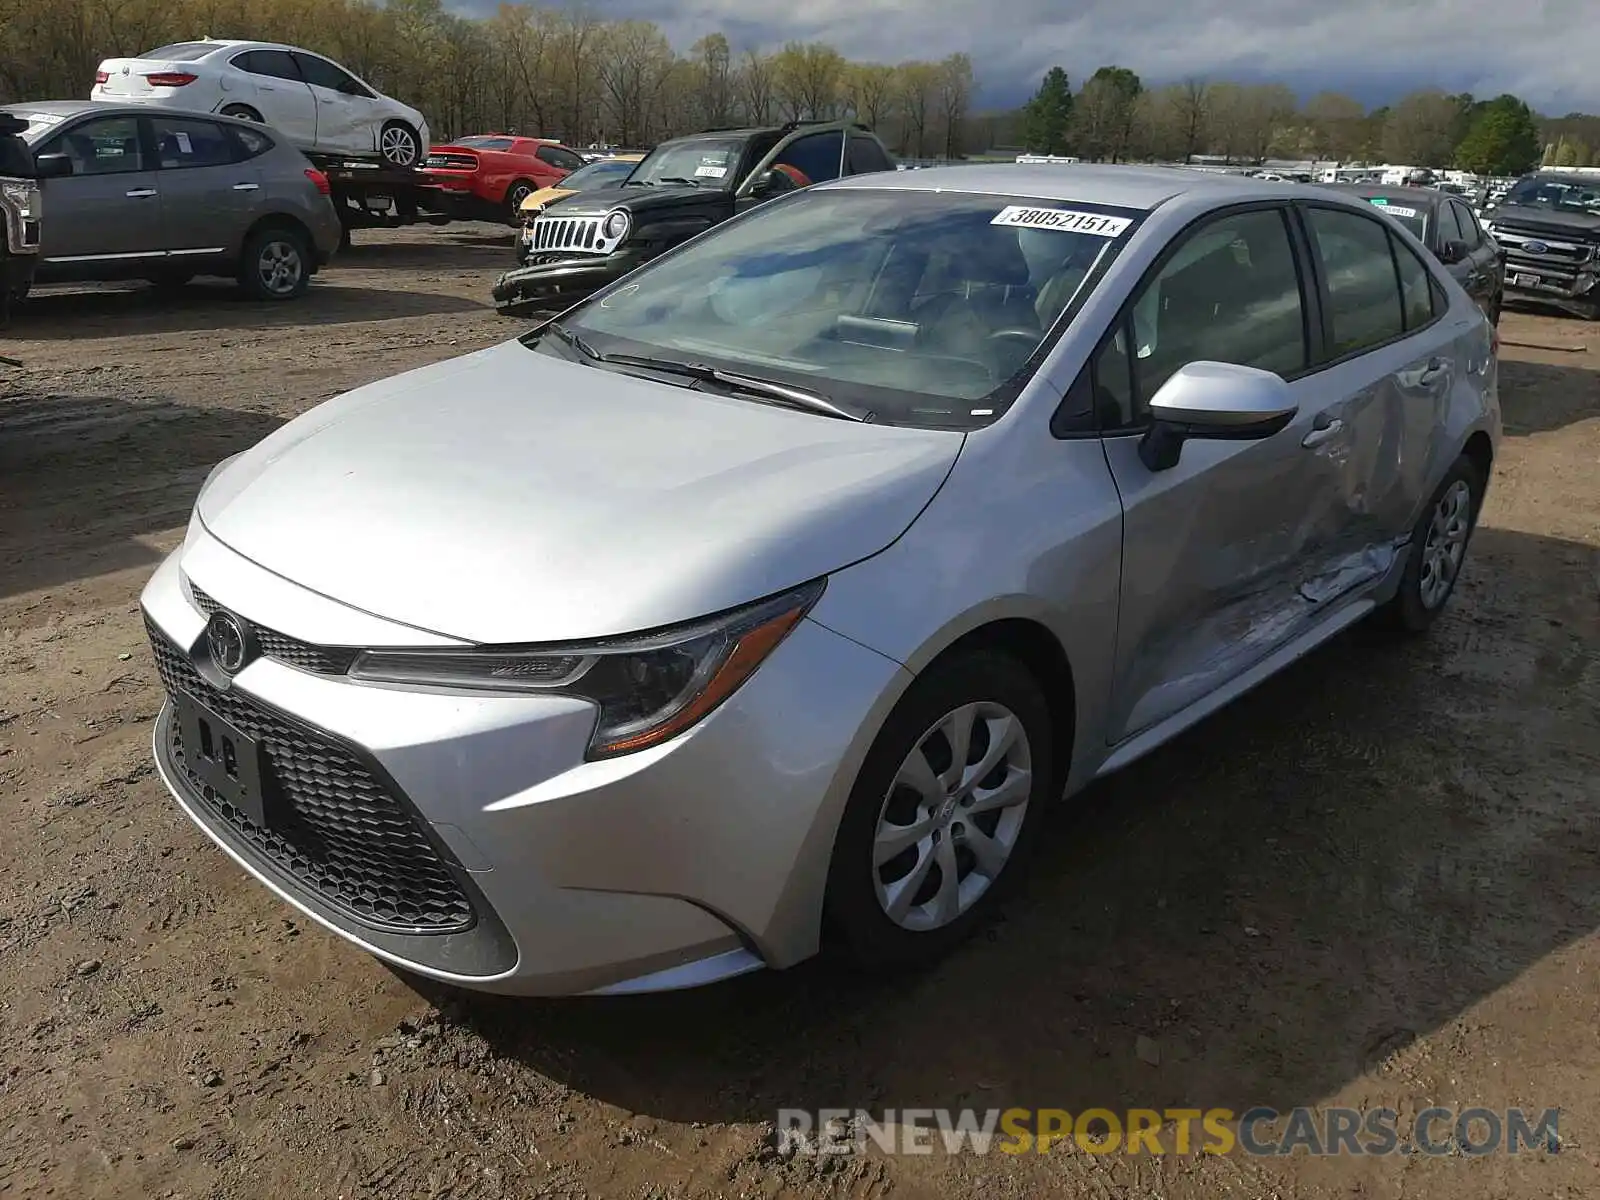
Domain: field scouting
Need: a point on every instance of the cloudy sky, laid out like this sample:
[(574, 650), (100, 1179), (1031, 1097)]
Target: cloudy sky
[(1547, 51)]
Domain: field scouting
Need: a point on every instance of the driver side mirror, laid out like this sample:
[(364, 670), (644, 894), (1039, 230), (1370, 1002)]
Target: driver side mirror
[(1216, 401), (771, 182), (1452, 252), (52, 166)]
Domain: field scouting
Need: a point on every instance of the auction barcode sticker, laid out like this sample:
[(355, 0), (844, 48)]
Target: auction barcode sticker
[(1395, 209), (1063, 220)]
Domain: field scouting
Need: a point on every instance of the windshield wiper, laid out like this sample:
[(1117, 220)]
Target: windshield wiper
[(754, 384), (678, 179), (573, 340)]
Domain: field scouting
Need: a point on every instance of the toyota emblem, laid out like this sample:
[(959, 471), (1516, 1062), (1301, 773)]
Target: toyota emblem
[(228, 640)]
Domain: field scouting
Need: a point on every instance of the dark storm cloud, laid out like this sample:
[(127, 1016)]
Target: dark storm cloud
[(1543, 50)]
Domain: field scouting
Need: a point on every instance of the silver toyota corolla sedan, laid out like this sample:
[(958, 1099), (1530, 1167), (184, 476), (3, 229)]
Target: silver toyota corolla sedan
[(779, 587)]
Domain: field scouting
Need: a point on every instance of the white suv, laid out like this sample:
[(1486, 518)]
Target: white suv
[(311, 100)]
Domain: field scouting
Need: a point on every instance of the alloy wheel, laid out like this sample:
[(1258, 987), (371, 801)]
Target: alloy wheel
[(1446, 544), (280, 267), (399, 145), (952, 816)]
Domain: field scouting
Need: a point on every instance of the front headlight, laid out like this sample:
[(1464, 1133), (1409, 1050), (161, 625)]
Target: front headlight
[(27, 195), (648, 688), (617, 224)]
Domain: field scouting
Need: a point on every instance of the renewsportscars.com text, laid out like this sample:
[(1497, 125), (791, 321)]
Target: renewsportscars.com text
[(1257, 1131)]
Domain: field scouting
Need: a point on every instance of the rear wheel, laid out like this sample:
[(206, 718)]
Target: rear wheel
[(243, 111), (275, 265), (515, 195), (398, 143), (1438, 550)]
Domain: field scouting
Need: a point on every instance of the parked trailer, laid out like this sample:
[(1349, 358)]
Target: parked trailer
[(376, 195)]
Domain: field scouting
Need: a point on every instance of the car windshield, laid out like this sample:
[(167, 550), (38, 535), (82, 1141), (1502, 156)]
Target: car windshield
[(182, 51), (1566, 195), (598, 174), (1409, 213), (39, 124), (704, 162), (918, 307)]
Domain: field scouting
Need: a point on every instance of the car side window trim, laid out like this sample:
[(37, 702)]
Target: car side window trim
[(1122, 323), (1394, 264)]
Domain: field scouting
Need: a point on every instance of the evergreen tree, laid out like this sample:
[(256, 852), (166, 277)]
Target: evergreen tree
[(1048, 116), (1503, 140)]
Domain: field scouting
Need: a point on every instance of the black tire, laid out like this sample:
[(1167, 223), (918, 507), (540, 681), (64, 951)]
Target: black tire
[(853, 907), (1495, 306), (1414, 609), (399, 144), (519, 191), (244, 112), (276, 264)]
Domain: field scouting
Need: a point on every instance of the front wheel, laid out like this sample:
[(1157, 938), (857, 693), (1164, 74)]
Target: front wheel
[(944, 811), (398, 144), (275, 265), (1438, 550)]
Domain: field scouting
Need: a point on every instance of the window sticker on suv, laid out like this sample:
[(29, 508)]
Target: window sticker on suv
[(1062, 219)]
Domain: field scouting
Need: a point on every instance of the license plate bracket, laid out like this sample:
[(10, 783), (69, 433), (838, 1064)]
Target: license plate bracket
[(223, 758), (1523, 279)]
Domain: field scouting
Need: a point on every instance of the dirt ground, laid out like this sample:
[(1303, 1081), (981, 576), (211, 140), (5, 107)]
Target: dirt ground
[(1374, 881)]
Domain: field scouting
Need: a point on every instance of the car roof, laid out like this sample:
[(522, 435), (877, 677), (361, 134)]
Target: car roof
[(1393, 192), (1086, 183), (67, 109)]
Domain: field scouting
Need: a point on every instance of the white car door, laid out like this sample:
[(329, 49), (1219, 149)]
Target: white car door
[(272, 85), (346, 112)]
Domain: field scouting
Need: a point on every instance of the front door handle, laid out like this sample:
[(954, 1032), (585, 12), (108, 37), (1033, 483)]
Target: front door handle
[(247, 187), (140, 193), (1323, 433)]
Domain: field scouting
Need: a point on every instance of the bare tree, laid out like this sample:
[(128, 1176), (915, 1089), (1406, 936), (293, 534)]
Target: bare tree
[(757, 86), (1420, 130), (634, 63), (955, 98), (1337, 124), (712, 61), (870, 92), (809, 76), (917, 87)]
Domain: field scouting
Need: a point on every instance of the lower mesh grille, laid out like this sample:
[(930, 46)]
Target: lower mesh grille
[(336, 830)]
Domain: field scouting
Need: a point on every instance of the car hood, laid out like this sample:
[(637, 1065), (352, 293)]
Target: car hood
[(647, 200), (1538, 218), (509, 496), (546, 195)]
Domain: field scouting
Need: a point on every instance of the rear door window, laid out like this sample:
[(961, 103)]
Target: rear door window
[(866, 155), (185, 142), (815, 156), (274, 64), (1363, 307)]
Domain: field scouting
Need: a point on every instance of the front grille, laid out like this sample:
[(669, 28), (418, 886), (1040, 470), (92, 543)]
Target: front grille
[(335, 829), (1559, 258), (322, 660), (568, 233)]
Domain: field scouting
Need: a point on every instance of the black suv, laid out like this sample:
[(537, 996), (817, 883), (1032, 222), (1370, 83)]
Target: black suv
[(1549, 226), (682, 188)]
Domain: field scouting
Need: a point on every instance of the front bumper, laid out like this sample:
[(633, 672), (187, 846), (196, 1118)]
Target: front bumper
[(1561, 285), (556, 284), (695, 860)]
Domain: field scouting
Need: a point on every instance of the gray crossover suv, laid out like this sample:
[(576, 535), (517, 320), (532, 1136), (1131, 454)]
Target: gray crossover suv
[(780, 585), (166, 196)]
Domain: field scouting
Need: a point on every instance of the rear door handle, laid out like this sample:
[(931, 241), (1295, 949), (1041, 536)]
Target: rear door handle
[(140, 193), (1323, 433), (247, 187)]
